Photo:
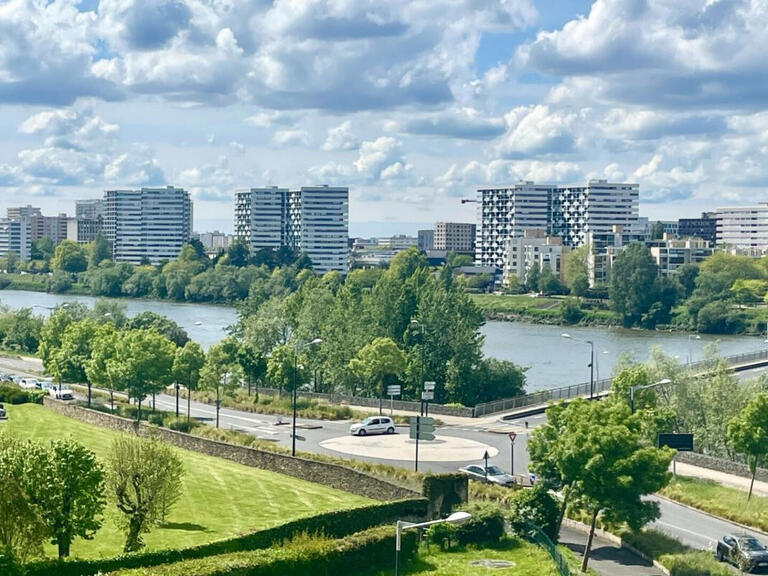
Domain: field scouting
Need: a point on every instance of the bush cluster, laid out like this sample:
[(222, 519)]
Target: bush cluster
[(13, 395), (535, 506), (337, 524), (695, 564), (485, 527)]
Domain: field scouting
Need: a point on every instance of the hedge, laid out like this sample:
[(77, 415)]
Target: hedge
[(358, 553), (485, 527), (335, 524), (12, 394)]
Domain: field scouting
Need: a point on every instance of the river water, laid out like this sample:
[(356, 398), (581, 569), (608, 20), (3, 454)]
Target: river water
[(552, 360)]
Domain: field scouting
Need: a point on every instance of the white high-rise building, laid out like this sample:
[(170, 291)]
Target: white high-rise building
[(743, 227), (151, 224), (313, 220), (16, 237), (571, 212)]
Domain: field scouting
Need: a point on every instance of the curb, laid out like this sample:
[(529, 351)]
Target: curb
[(611, 537), (713, 516)]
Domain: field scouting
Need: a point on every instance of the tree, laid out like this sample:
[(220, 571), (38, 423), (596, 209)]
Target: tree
[(103, 369), (11, 262), (283, 368), (66, 484), (634, 283), (238, 253), (548, 282), (187, 364), (74, 353), (576, 270), (42, 248), (253, 364), (163, 325), (221, 372), (69, 257), (145, 478), (98, 251), (657, 230), (532, 277), (377, 361), (748, 434)]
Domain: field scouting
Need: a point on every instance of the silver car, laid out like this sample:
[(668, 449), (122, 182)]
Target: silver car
[(373, 425), (495, 475)]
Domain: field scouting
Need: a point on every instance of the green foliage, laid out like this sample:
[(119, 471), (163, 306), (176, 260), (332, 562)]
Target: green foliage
[(720, 317), (145, 478), (445, 491), (98, 251), (375, 362), (748, 434), (442, 534), (12, 394), (59, 282), (182, 425), (695, 564), (485, 527), (20, 330), (635, 285), (162, 325), (69, 257), (535, 506), (571, 311)]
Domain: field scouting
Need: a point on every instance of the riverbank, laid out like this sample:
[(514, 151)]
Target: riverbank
[(551, 310)]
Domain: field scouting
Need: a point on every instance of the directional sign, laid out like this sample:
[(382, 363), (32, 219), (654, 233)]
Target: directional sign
[(425, 426), (429, 385), (512, 436), (302, 438), (680, 442), (427, 395), (393, 390)]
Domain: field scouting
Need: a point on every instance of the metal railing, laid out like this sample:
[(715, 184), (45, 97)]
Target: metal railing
[(537, 536), (601, 386)]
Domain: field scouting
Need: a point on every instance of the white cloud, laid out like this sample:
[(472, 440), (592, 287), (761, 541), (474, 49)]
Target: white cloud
[(341, 138), (539, 130), (290, 138)]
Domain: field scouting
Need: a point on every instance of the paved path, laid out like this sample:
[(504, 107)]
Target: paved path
[(606, 558), (730, 480)]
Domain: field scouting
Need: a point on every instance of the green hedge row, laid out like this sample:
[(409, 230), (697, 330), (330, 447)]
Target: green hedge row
[(355, 554), (695, 564), (12, 394), (335, 524)]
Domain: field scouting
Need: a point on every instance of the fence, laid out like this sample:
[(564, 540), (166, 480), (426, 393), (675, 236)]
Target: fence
[(601, 386), (538, 537)]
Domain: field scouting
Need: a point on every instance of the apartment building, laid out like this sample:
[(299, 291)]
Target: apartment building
[(454, 237), (670, 254), (571, 212), (312, 219), (704, 227), (426, 240), (604, 247), (16, 237), (19, 212), (534, 248), (744, 228), (147, 225)]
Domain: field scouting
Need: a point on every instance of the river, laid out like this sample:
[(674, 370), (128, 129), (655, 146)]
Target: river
[(552, 360)]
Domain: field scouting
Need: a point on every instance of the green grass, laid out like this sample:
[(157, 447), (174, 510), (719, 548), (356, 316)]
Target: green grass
[(674, 555), (730, 503), (515, 303), (220, 499), (529, 559)]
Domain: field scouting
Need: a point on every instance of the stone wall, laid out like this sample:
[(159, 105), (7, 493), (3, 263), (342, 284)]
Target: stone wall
[(332, 475), (726, 466)]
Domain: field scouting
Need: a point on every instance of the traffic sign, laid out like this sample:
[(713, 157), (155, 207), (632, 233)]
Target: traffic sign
[(512, 436), (393, 390), (422, 427), (680, 442), (429, 385), (427, 395), (302, 438)]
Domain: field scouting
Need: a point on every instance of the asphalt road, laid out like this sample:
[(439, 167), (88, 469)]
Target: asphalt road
[(753, 373)]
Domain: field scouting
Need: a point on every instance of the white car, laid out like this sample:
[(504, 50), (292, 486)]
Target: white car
[(61, 393), (29, 383), (494, 474), (373, 425)]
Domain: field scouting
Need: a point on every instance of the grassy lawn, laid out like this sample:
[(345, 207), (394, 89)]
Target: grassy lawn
[(730, 503), (220, 499), (514, 303)]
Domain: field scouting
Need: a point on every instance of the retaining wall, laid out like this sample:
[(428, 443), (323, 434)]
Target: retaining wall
[(720, 465), (332, 475)]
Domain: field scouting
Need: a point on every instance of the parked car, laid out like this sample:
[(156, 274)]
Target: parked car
[(495, 474), (743, 551), (46, 385), (5, 377), (373, 425), (29, 383), (3, 415), (61, 392)]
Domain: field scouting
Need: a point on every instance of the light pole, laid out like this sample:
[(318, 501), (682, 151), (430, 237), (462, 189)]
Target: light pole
[(298, 346), (225, 377), (644, 387), (415, 322), (691, 337), (591, 362), (455, 518)]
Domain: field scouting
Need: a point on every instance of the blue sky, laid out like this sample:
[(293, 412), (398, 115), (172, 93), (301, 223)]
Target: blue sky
[(411, 104)]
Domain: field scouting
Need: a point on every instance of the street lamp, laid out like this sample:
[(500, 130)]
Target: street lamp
[(415, 322), (691, 337), (298, 346), (455, 518), (225, 377), (644, 387), (591, 362)]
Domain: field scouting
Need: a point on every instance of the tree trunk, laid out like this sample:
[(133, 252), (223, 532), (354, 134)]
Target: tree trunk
[(752, 481), (64, 545), (562, 510), (138, 414), (588, 549), (133, 542), (189, 394), (89, 393)]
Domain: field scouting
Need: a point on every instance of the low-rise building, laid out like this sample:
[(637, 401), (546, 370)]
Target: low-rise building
[(744, 228), (704, 227), (426, 240), (605, 247), (671, 254), (533, 248), (456, 237)]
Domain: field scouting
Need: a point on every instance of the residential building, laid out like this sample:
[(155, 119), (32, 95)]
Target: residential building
[(53, 227), (313, 220), (426, 240), (605, 247), (84, 230), (744, 228), (534, 248), (398, 242), (454, 237), (16, 237), (704, 227), (670, 254), (571, 212), (92, 208), (671, 227), (215, 241), (20, 212), (150, 224)]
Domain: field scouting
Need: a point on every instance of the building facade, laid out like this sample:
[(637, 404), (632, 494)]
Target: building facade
[(20, 212), (671, 254), (743, 227), (534, 248), (454, 237), (151, 224), (426, 240), (16, 237), (604, 247), (704, 227), (312, 219), (92, 208), (571, 212)]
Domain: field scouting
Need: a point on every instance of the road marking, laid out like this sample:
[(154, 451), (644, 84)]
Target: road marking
[(673, 527)]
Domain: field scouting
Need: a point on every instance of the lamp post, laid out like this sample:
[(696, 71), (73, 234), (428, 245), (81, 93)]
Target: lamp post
[(225, 377), (455, 518), (645, 387), (691, 337), (415, 322), (297, 347), (591, 362)]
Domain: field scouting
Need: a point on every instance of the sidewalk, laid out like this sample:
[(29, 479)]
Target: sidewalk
[(730, 480), (606, 558)]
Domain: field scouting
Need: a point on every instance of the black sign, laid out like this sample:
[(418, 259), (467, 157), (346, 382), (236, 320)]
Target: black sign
[(680, 442)]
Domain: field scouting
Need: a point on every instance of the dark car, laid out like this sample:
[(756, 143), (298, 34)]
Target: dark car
[(743, 551)]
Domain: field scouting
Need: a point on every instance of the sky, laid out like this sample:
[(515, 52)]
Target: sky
[(413, 104)]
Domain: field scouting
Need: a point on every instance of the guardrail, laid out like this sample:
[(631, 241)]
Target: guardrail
[(580, 390), (537, 536)]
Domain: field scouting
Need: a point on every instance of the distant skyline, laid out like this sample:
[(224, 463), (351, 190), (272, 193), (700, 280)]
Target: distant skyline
[(413, 105)]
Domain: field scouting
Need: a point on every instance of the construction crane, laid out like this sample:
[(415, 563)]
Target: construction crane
[(466, 200)]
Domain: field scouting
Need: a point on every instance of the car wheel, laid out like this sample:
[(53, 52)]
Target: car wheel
[(361, 433), (390, 430), (719, 555)]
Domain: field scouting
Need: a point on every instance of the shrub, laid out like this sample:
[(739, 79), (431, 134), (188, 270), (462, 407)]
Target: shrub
[(8, 567), (182, 424), (13, 395), (535, 506), (695, 564), (156, 418), (442, 535), (486, 526)]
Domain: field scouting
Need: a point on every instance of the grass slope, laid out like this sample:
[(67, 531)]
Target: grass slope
[(730, 503), (220, 499)]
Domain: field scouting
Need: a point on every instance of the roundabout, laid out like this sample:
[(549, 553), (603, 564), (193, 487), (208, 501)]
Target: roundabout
[(401, 447)]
